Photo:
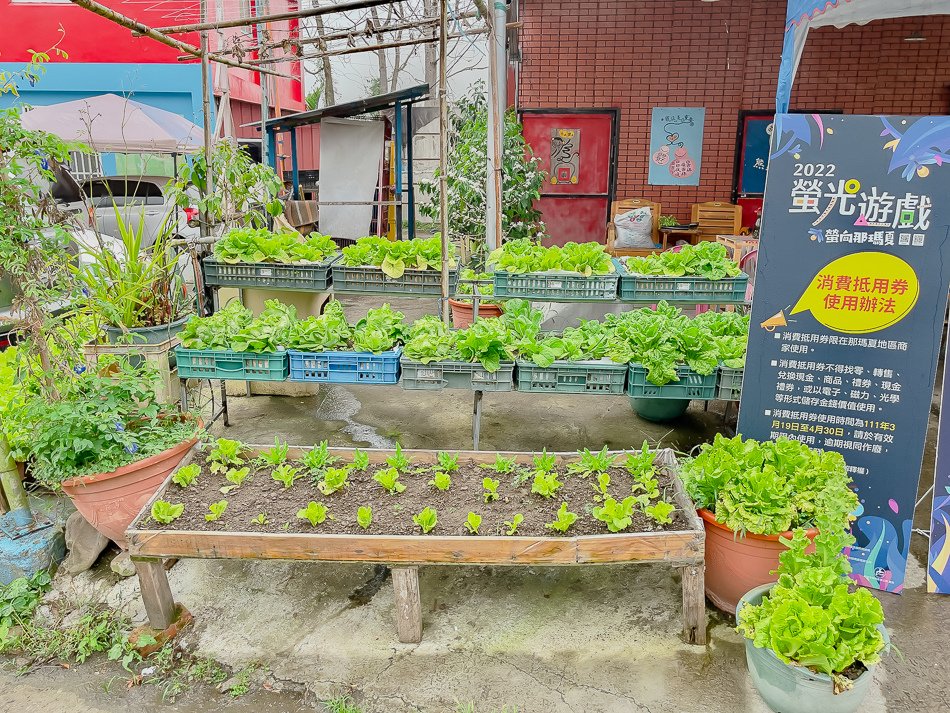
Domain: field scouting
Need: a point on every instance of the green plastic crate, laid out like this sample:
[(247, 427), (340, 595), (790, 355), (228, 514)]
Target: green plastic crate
[(372, 280), (729, 385), (690, 385), (572, 377), (689, 290), (438, 375), (310, 277), (230, 365), (555, 286)]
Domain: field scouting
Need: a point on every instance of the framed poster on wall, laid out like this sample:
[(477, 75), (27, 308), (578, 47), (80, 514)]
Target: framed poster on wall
[(676, 145)]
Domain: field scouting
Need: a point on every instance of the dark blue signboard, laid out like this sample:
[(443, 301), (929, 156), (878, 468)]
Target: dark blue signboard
[(757, 132), (850, 297)]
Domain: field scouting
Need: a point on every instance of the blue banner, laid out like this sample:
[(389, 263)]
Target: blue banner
[(847, 316), (676, 146)]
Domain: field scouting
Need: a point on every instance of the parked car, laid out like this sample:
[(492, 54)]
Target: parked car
[(137, 198)]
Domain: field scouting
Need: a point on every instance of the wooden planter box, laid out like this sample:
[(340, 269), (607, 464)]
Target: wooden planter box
[(404, 553)]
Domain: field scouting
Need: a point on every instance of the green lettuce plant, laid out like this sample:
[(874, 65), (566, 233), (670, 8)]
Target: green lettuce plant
[(617, 515), (187, 475), (394, 257), (768, 487), (315, 513), (512, 527), (473, 522), (490, 488), (364, 516), (426, 520), (251, 245), (216, 510), (520, 256), (389, 479), (441, 481), (707, 259), (565, 518), (164, 512)]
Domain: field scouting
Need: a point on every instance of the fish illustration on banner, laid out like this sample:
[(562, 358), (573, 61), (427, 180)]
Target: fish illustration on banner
[(850, 286), (676, 146)]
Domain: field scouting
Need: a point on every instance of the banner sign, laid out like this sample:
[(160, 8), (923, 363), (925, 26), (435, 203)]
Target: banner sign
[(850, 297), (938, 569), (676, 146)]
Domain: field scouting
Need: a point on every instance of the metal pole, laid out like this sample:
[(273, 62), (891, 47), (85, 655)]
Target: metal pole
[(264, 36), (443, 157), (397, 158), (294, 167), (410, 190), (206, 89), (496, 129)]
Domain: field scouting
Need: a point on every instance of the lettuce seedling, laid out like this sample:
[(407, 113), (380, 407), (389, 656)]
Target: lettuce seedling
[(360, 460), (502, 465), (616, 515), (217, 510), (225, 454), (285, 474), (472, 523), (274, 456), (427, 519), (319, 457), (261, 519), (603, 482), (448, 462), (513, 525), (334, 479), (545, 484), (544, 462), (389, 479), (164, 512), (442, 481), (592, 463), (491, 489), (314, 513), (186, 476), (364, 516), (660, 513), (640, 464), (564, 519), (650, 488), (397, 460), (235, 476)]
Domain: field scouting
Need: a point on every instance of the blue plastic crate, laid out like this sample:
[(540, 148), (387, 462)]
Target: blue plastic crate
[(345, 367), (690, 385)]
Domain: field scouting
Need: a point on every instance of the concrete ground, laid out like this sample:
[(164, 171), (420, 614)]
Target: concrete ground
[(595, 639)]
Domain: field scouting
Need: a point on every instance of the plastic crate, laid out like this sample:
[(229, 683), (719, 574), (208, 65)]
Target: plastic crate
[(691, 290), (555, 286), (438, 375), (372, 280), (231, 365), (572, 377), (729, 384), (345, 367), (690, 385), (309, 277)]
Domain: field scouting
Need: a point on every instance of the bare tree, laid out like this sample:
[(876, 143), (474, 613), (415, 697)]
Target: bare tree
[(329, 98)]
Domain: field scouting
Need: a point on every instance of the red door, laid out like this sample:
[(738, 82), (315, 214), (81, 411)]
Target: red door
[(578, 149)]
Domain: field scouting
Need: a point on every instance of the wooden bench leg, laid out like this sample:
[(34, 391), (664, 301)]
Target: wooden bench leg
[(694, 604), (157, 595), (408, 604)]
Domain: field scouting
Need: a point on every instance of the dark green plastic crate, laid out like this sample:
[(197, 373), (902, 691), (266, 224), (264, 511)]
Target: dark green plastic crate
[(689, 290), (690, 385), (230, 365), (310, 277), (372, 280), (555, 286), (729, 385), (438, 375), (572, 377)]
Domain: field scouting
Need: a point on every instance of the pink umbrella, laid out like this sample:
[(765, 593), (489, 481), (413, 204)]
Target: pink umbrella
[(113, 124)]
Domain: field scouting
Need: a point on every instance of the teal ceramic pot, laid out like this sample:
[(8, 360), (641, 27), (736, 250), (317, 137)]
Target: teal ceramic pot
[(659, 409), (146, 335), (795, 689)]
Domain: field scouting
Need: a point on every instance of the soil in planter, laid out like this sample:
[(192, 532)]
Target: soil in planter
[(392, 514)]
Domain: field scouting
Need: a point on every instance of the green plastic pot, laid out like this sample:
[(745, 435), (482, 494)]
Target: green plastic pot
[(795, 689), (145, 335), (659, 409)]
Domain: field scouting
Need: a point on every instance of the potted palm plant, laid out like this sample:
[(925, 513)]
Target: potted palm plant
[(812, 638), (751, 494)]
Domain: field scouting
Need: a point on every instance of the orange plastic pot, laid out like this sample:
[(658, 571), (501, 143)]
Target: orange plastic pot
[(737, 564), (463, 312), (110, 501)]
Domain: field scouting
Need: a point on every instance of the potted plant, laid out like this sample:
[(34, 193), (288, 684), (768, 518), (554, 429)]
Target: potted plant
[(812, 638), (749, 495), (106, 442), (463, 311), (135, 294)]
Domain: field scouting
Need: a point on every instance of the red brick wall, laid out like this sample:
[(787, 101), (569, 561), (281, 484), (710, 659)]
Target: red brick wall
[(724, 56)]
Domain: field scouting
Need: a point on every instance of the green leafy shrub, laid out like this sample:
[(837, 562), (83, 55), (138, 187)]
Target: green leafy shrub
[(592, 463), (769, 487), (360, 460)]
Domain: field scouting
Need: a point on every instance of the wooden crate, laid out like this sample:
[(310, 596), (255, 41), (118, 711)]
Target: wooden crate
[(405, 553)]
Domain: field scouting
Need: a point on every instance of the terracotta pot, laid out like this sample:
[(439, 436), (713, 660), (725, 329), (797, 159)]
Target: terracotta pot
[(462, 312), (736, 565), (110, 501)]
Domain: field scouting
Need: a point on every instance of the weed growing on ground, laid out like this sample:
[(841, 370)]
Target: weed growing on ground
[(341, 704)]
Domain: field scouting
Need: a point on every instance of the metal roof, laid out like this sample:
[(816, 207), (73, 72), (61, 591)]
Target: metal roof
[(355, 108)]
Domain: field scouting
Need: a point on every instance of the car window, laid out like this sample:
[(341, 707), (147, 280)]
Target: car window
[(121, 191)]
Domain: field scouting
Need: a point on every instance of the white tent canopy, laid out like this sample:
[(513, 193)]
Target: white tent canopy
[(805, 14), (108, 123)]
